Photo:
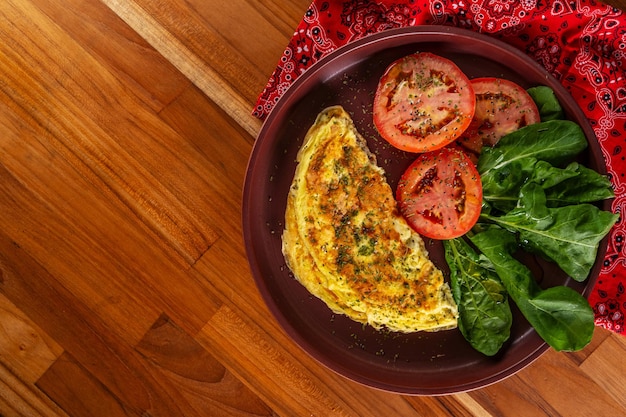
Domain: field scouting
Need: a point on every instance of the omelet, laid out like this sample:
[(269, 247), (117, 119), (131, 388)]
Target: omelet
[(346, 242)]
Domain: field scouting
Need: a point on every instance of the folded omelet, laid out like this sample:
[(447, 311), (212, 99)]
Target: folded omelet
[(346, 242)]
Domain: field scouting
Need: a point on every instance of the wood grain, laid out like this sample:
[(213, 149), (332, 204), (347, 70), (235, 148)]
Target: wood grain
[(125, 130)]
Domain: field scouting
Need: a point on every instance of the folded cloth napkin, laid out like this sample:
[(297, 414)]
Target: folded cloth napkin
[(582, 43)]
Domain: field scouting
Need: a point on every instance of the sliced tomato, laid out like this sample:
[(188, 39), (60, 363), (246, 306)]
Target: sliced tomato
[(440, 194), (502, 107), (423, 102)]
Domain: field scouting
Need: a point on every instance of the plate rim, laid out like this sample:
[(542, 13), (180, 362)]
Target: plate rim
[(293, 94)]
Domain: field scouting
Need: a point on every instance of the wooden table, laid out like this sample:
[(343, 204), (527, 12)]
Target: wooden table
[(125, 128)]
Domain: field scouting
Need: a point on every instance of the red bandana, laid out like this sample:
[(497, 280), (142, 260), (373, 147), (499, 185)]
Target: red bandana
[(582, 43)]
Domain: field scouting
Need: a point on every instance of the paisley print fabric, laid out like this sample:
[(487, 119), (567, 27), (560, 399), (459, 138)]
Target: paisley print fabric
[(582, 43)]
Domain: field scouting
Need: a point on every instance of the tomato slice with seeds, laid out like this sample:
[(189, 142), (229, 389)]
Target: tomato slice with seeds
[(440, 194), (502, 107), (423, 102)]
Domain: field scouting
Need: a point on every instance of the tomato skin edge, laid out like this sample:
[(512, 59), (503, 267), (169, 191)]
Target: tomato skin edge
[(472, 200), (491, 123), (463, 109)]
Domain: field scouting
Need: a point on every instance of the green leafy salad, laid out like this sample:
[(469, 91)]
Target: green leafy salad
[(536, 199)]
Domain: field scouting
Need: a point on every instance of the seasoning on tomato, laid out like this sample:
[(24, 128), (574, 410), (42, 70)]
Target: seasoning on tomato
[(502, 107), (423, 102), (440, 194)]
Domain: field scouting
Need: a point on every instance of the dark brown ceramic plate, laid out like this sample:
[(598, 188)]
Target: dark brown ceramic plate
[(419, 363)]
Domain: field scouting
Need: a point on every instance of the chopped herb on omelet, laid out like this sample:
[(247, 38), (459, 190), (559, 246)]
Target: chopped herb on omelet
[(345, 241)]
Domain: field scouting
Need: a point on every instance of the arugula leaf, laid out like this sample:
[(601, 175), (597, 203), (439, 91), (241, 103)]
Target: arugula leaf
[(505, 167), (484, 314), (573, 184), (547, 103), (532, 201), (555, 141), (501, 185), (560, 315), (568, 235)]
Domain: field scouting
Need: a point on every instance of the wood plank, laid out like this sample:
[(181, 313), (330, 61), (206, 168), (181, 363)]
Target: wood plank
[(511, 397), (186, 380), (69, 322), (221, 148), (290, 381), (284, 16), (441, 406), (565, 379), (203, 75), (216, 53), (199, 378), (609, 376), (227, 258), (79, 393), (105, 146), (272, 371), (548, 387), (25, 349), (119, 48), (101, 357), (81, 384), (63, 259), (465, 405), (18, 398), (123, 252), (237, 21)]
